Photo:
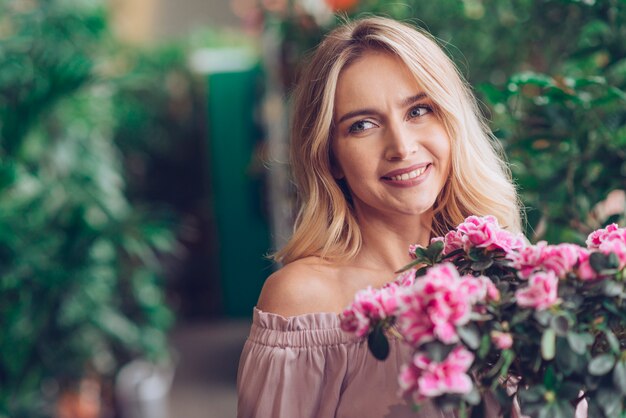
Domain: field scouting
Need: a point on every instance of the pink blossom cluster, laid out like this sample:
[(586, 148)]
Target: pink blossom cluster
[(482, 232), (610, 239), (370, 305), (425, 378), (404, 279), (541, 292), (434, 306), (502, 340), (559, 259), (438, 302)]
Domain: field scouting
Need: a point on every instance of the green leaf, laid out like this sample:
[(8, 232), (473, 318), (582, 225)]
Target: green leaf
[(411, 265), (601, 365), (613, 342), (470, 335), (593, 408), (529, 77), (560, 409), (531, 399), (543, 317), (421, 253), (619, 376), (548, 344), (592, 382), (509, 356), (476, 254), (482, 265), (532, 394), (473, 397), (598, 261), (569, 362), (549, 378), (462, 410), (612, 288), (438, 351), (485, 345), (377, 342), (117, 326), (454, 253), (610, 402), (434, 250), (569, 390), (612, 261), (579, 342), (560, 324), (521, 317)]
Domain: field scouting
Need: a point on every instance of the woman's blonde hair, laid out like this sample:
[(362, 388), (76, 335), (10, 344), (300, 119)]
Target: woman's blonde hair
[(479, 183)]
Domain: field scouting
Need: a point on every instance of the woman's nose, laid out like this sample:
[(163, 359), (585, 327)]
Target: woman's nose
[(400, 143)]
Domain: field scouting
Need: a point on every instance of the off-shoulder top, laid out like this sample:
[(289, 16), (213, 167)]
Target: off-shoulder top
[(306, 367)]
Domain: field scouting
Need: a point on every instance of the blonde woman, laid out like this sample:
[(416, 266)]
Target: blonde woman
[(388, 149)]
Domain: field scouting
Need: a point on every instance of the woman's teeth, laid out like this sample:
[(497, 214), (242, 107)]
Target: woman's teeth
[(410, 175)]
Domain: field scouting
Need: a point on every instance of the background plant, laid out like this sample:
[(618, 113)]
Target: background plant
[(81, 271)]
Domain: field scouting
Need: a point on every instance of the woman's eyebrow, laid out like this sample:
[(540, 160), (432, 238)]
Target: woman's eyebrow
[(410, 100), (358, 112)]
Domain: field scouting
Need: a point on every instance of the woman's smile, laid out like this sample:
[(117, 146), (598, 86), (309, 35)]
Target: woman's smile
[(408, 177)]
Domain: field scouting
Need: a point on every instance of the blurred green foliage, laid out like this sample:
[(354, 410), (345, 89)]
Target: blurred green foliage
[(81, 271), (550, 74)]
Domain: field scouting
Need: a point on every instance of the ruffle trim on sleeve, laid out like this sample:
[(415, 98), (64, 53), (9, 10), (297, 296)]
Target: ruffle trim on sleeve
[(307, 330)]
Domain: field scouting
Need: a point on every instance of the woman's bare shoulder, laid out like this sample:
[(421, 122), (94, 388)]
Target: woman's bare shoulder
[(303, 286)]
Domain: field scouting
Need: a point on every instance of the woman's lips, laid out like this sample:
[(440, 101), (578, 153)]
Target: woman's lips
[(408, 177)]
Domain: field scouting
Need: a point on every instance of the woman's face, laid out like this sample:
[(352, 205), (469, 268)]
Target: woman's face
[(389, 144)]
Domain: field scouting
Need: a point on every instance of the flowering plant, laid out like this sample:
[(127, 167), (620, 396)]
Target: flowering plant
[(490, 315)]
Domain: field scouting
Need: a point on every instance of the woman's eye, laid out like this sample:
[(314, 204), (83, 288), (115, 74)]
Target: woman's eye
[(360, 126), (418, 111)]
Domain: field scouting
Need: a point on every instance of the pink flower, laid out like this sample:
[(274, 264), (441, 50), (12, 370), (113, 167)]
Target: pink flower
[(528, 260), (479, 232), (502, 340), (404, 279), (479, 289), (611, 239), (435, 305), (436, 239), (541, 292), (483, 232), (452, 241), (617, 245), (559, 259), (365, 309), (597, 237), (369, 306), (509, 242), (354, 322), (426, 378), (412, 249), (387, 299)]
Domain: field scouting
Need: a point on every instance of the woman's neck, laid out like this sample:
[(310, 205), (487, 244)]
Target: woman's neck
[(385, 242)]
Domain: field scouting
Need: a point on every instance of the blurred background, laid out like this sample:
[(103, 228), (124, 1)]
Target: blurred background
[(143, 176)]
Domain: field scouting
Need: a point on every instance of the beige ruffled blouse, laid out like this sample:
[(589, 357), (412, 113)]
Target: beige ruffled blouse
[(306, 367)]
